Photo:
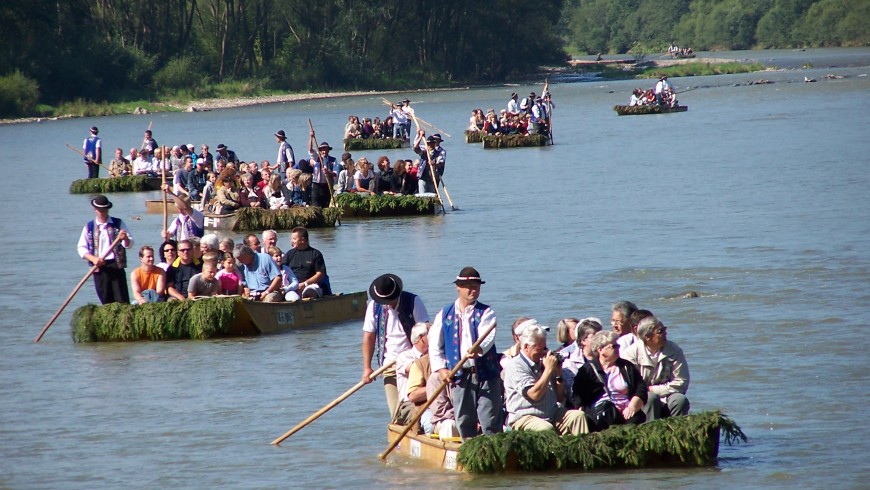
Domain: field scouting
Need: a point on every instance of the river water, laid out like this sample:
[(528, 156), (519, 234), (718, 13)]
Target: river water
[(757, 198)]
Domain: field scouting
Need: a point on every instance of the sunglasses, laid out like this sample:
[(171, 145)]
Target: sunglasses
[(168, 249), (184, 250)]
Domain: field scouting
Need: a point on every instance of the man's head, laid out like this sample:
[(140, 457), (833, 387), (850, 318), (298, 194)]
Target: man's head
[(244, 254), (148, 133), (188, 163), (146, 255), (222, 149), (101, 205), (385, 289), (299, 238), (185, 251), (270, 238), (209, 243), (652, 332), (468, 284), (419, 337), (252, 241), (619, 317), (324, 148), (119, 153), (533, 342), (94, 130)]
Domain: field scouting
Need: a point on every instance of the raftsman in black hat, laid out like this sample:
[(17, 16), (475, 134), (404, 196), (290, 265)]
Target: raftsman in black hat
[(385, 289), (468, 274)]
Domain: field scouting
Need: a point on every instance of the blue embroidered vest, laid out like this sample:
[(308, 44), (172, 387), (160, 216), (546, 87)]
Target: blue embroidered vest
[(405, 312), (114, 226), (91, 149), (487, 366)]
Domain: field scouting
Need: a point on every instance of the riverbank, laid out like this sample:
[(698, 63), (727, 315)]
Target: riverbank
[(234, 102)]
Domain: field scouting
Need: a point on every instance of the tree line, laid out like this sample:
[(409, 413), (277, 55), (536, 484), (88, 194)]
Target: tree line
[(622, 26), (53, 51)]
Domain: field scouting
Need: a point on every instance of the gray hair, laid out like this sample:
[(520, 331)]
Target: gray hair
[(531, 335), (587, 326), (228, 242), (646, 326), (563, 329), (418, 331), (601, 339), (269, 231), (242, 250), (211, 241), (626, 308)]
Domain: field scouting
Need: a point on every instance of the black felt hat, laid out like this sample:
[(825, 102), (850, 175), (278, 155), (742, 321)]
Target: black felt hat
[(385, 289), (468, 275), (101, 202)]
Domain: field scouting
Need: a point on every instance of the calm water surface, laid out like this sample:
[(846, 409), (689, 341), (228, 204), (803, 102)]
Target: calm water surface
[(756, 198)]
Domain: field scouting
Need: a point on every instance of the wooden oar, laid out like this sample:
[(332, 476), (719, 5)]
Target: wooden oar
[(323, 169), (332, 404), (457, 367), (88, 157), (162, 186), (76, 290), (431, 170)]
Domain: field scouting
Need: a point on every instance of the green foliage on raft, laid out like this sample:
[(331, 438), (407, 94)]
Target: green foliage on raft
[(384, 205), (351, 144), (625, 110), (131, 183), (514, 141), (253, 219), (114, 322), (674, 441), (473, 136)]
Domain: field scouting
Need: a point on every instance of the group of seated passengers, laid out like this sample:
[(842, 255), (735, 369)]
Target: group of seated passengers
[(505, 123), (369, 128), (628, 375), (207, 266), (399, 178), (666, 98)]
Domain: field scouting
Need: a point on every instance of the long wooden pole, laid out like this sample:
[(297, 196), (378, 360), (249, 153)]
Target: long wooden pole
[(426, 123), (431, 170), (76, 290), (163, 186), (332, 404), (86, 156), (452, 207), (457, 367)]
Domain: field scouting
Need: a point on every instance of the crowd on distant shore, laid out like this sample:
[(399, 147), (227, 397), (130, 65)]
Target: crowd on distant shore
[(662, 94), (531, 115)]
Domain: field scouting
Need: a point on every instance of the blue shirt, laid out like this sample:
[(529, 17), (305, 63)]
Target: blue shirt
[(259, 275)]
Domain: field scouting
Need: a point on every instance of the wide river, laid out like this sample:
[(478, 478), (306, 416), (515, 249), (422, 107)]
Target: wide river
[(757, 198)]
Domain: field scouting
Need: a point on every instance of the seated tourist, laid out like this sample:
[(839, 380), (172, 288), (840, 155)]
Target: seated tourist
[(147, 281), (180, 273), (663, 367), (209, 244), (367, 129), (363, 176), (517, 329), (226, 246), (249, 195), (261, 278), (345, 182), (619, 320), (419, 347), (582, 354), (439, 418), (401, 182), (383, 173), (534, 388), (307, 264), (227, 199), (609, 389), (377, 128), (120, 166), (205, 283), (229, 276), (352, 128), (565, 335), (289, 282), (635, 97), (387, 127), (144, 164), (273, 192), (168, 254)]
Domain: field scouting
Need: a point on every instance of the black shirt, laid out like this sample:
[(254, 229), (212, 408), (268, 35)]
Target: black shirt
[(179, 277), (304, 263)]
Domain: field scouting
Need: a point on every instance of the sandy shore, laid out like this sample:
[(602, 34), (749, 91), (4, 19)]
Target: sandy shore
[(214, 104)]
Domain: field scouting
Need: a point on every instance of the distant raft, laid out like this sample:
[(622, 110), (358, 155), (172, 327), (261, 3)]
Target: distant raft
[(359, 144), (130, 183), (355, 205), (491, 142), (256, 219), (638, 110), (687, 441), (210, 318)]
